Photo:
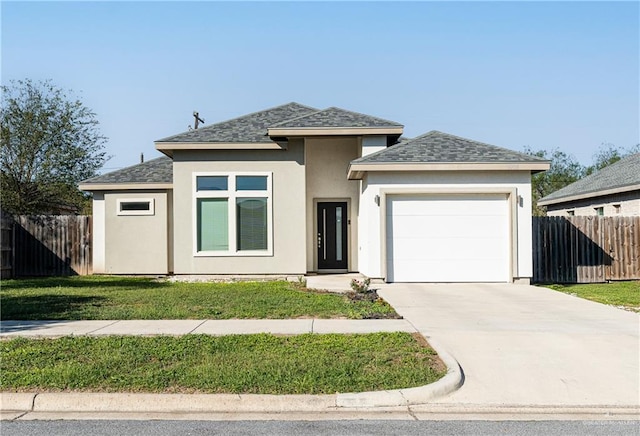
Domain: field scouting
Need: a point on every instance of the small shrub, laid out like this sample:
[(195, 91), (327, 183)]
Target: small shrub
[(361, 287), (362, 292)]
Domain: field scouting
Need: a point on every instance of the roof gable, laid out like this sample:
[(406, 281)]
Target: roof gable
[(439, 147), (623, 174), (251, 128)]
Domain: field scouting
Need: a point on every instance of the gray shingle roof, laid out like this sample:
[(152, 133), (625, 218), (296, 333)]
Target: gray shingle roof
[(335, 117), (438, 147), (159, 170), (247, 128), (625, 172)]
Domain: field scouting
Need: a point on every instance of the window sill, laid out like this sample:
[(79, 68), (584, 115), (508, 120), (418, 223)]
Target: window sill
[(260, 253)]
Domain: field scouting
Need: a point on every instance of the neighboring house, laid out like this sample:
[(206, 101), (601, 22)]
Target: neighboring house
[(293, 189), (613, 190)]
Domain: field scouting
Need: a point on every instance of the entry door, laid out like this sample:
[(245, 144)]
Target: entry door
[(332, 235)]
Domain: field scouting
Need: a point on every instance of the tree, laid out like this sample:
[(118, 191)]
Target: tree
[(609, 154), (49, 143), (564, 170)]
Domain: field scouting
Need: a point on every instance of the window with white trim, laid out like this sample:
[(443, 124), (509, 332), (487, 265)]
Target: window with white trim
[(135, 206), (233, 214)]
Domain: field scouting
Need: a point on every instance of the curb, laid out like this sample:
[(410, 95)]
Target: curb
[(451, 382), (210, 403)]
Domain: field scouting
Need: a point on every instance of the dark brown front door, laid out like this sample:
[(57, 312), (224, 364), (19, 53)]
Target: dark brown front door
[(332, 235)]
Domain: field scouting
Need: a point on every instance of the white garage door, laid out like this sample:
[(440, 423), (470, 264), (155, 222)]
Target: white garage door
[(448, 238)]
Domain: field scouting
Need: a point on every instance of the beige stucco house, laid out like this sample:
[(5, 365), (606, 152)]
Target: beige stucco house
[(612, 191), (293, 190)]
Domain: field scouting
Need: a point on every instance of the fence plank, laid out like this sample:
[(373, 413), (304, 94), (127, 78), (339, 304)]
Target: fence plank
[(585, 249), (51, 245)]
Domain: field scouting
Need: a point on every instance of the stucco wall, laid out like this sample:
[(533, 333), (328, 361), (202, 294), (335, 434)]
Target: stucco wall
[(629, 205), (327, 161), (136, 244), (369, 221), (98, 236), (287, 167)]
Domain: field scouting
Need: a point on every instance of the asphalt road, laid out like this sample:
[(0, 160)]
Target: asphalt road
[(299, 428)]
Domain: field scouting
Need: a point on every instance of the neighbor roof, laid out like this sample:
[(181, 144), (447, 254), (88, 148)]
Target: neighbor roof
[(622, 176), (335, 117), (441, 151), (152, 173), (251, 128)]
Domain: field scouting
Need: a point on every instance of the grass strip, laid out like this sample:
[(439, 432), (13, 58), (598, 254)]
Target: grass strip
[(104, 297), (621, 294), (259, 364)]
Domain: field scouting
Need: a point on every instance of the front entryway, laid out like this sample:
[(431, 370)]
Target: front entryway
[(332, 235)]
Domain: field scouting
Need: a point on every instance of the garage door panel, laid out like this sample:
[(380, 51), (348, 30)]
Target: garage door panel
[(448, 238), (455, 226), (438, 271), (409, 206), (439, 248)]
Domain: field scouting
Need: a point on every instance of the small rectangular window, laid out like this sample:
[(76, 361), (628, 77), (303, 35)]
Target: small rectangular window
[(600, 211), (212, 183), (571, 212), (251, 183), (135, 206)]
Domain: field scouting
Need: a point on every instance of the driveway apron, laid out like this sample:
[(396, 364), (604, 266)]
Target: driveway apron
[(525, 345)]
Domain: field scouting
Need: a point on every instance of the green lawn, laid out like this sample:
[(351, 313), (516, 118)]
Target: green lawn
[(104, 297), (624, 294), (265, 364)]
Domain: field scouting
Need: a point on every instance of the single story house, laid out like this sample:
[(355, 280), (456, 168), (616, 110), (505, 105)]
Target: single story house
[(293, 190), (611, 191)]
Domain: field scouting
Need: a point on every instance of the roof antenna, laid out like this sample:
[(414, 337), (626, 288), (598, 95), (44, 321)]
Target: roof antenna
[(141, 157), (196, 115)]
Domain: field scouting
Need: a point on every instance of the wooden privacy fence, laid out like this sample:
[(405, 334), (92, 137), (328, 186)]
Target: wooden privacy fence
[(585, 249), (51, 245), (6, 246)]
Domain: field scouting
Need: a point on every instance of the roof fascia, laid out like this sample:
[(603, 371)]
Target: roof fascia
[(333, 131), (586, 195), (89, 187), (168, 147), (356, 171)]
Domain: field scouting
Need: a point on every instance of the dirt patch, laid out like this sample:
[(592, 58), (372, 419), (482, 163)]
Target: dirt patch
[(435, 361)]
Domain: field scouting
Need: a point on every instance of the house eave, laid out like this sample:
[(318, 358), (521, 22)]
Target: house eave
[(356, 171), (168, 147), (587, 195), (90, 187), (333, 131)]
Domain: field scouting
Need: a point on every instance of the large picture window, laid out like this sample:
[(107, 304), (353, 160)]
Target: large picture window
[(233, 214)]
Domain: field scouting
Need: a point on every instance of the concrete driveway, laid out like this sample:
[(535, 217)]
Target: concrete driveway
[(524, 345)]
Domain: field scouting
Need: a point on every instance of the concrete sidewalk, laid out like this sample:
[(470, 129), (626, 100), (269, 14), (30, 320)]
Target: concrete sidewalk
[(209, 327)]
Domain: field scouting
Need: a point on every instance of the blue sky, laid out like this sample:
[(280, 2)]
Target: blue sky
[(513, 74)]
